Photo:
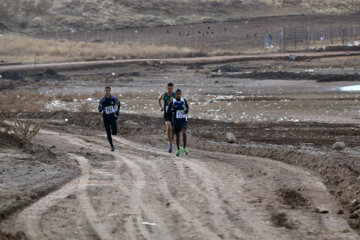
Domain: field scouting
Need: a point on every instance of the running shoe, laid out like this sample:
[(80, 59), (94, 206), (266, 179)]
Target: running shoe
[(186, 151), (112, 148), (178, 153), (170, 148)]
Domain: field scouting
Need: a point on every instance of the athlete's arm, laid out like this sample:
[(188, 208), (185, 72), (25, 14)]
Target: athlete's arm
[(186, 106), (161, 97), (101, 108), (170, 110), (118, 104)]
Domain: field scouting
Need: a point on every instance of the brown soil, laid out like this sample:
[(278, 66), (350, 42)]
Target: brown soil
[(308, 145)]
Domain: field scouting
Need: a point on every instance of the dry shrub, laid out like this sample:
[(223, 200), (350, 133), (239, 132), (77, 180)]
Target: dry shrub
[(25, 130), (85, 107), (98, 94), (71, 97), (126, 79)]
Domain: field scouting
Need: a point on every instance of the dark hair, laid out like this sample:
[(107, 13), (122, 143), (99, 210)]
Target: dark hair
[(107, 87), (170, 84), (178, 90)]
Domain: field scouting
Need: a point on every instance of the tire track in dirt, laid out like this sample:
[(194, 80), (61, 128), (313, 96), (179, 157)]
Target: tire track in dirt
[(335, 228), (207, 232), (215, 202), (97, 225)]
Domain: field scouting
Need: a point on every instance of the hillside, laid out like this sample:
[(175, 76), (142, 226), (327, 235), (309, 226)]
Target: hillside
[(51, 15)]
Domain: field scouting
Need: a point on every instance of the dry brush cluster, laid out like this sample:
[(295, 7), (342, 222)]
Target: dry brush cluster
[(22, 130), (24, 49)]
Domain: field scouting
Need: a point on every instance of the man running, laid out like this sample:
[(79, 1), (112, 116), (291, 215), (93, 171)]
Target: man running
[(177, 111), (110, 115), (167, 97)]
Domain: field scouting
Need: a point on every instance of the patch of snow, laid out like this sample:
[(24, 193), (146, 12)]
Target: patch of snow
[(353, 88)]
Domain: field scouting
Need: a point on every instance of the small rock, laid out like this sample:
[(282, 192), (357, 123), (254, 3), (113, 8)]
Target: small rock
[(230, 137), (339, 146), (340, 211), (321, 210), (17, 197)]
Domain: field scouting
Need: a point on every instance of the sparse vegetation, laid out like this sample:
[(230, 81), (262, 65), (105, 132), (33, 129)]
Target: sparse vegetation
[(25, 130), (28, 50), (85, 107), (99, 15), (23, 101)]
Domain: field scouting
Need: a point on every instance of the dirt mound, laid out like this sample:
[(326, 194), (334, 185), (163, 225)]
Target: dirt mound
[(294, 76), (195, 66), (226, 68), (18, 236), (13, 75), (32, 75), (47, 74), (338, 48)]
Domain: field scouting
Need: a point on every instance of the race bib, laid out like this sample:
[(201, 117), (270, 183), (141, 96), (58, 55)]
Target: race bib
[(180, 114), (109, 110)]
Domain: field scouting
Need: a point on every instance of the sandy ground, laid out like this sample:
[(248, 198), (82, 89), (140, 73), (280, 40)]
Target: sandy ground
[(150, 195)]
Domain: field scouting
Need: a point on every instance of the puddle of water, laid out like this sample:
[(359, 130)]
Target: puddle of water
[(353, 88)]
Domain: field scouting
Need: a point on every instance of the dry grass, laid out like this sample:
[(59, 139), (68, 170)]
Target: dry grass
[(23, 101), (85, 107), (25, 130), (23, 49)]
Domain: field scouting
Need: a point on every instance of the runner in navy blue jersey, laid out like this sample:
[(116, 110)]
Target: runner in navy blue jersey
[(177, 111), (110, 114)]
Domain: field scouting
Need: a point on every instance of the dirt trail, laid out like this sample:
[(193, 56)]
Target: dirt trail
[(175, 61), (140, 192)]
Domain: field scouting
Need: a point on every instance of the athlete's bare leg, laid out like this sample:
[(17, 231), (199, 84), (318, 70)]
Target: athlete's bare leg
[(170, 132), (184, 137)]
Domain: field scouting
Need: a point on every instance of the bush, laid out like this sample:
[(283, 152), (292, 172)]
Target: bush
[(25, 130), (3, 126)]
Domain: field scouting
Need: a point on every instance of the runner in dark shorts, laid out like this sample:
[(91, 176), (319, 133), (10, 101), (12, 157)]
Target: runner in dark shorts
[(177, 111), (110, 114), (166, 98)]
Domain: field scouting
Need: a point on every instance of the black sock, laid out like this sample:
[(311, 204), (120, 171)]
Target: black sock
[(184, 145)]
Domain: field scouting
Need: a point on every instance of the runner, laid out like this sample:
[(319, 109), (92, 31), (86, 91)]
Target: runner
[(110, 115), (167, 97), (177, 111)]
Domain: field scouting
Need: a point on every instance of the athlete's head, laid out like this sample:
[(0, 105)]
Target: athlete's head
[(170, 87), (107, 91), (178, 94)]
